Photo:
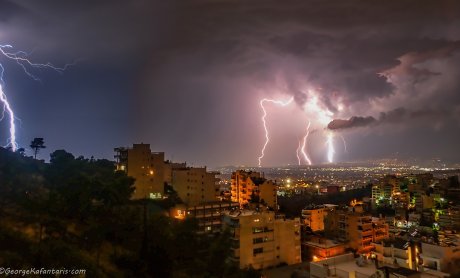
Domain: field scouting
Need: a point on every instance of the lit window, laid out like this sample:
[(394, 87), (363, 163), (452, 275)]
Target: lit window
[(155, 195)]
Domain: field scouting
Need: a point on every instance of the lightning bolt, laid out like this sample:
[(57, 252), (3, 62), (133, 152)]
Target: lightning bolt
[(267, 138), (330, 147), (344, 143), (322, 116), (297, 151), (304, 145), (20, 57)]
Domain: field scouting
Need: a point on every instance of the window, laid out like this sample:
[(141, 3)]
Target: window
[(257, 240), (258, 251), (257, 230)]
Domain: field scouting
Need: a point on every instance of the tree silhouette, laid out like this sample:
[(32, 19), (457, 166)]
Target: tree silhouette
[(36, 145), (21, 151)]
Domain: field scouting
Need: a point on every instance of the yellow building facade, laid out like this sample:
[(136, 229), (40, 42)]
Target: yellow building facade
[(314, 218), (146, 167), (261, 240), (195, 185), (248, 184), (358, 229)]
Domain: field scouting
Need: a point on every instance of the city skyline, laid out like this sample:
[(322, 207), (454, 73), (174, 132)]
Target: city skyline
[(188, 78)]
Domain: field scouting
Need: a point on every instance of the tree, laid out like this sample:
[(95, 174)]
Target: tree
[(36, 145), (21, 151)]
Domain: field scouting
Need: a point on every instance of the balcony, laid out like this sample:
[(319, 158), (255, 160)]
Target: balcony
[(366, 233), (401, 256), (367, 238), (401, 262)]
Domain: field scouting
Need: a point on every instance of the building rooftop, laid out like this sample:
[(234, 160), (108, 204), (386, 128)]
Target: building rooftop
[(347, 264), (296, 270), (397, 243), (367, 269), (313, 206), (243, 212), (323, 243)]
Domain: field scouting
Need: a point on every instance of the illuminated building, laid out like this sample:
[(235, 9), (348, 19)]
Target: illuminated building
[(348, 266), (383, 192), (239, 186), (209, 215), (342, 266), (146, 167), (318, 248), (439, 258), (396, 251), (152, 173), (262, 240), (358, 229), (195, 185), (248, 186), (314, 217)]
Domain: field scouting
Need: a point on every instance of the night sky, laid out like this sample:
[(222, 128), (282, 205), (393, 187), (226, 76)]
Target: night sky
[(187, 77)]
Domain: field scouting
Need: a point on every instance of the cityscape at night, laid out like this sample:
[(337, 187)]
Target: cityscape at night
[(230, 138)]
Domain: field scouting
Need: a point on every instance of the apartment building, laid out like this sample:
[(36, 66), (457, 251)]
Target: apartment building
[(261, 239), (147, 167), (397, 252), (249, 186), (439, 258), (313, 217), (209, 215), (355, 227), (195, 185)]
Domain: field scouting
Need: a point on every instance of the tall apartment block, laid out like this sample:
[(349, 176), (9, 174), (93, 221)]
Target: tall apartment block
[(262, 240), (247, 186), (358, 229), (194, 185), (146, 167), (313, 217)]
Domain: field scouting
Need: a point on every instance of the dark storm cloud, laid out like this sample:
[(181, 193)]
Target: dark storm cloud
[(103, 31), (8, 9), (195, 69), (350, 123), (396, 116), (336, 48)]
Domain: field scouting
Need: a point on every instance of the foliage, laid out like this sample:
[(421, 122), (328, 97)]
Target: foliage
[(75, 212), (293, 205), (36, 145)]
